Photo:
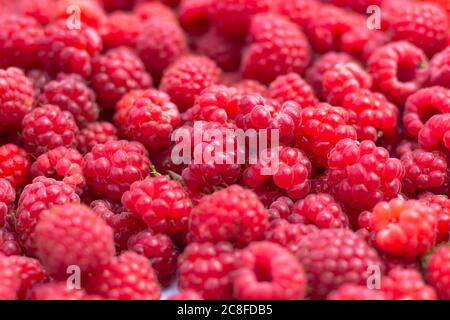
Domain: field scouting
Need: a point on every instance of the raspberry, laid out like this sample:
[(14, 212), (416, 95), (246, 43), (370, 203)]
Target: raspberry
[(437, 271), (233, 214), (55, 291), (19, 41), (16, 97), (405, 146), (48, 127), (160, 44), (424, 25), (159, 202), (43, 11), (116, 5), (9, 243), (194, 15), (38, 78), (356, 292), (206, 268), (362, 174), (435, 133), (441, 204), (343, 79), (280, 207), (276, 47), (288, 234), (289, 169), (29, 271), (292, 87), (398, 69), (115, 73), (360, 42), (154, 10), (69, 50), (439, 69), (355, 5), (323, 126), (95, 133), (405, 228), (232, 17), (160, 250), (7, 197), (391, 262), (248, 86), (298, 11), (9, 279), (111, 168), (120, 29), (267, 271), (91, 12), (187, 77), (128, 99), (129, 276), (186, 295), (406, 284), (74, 96), (332, 257)]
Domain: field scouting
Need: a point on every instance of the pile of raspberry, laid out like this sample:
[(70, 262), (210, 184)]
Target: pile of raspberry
[(97, 202)]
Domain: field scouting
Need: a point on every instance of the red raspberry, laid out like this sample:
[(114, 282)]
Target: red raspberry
[(332, 257), (95, 133), (159, 44), (355, 292), (398, 69), (289, 169), (323, 126), (439, 69), (115, 73), (55, 291), (72, 95), (112, 167), (129, 276), (116, 5), (441, 204), (120, 29), (194, 15), (19, 41), (232, 17), (435, 134), (267, 271), (159, 202), (69, 50), (355, 5), (160, 250), (38, 78), (391, 262), (233, 214), (206, 268), (292, 87), (187, 77), (154, 10), (437, 271), (298, 11), (288, 234), (277, 46), (16, 97), (9, 279), (362, 174), (9, 243), (29, 271), (248, 86), (406, 284), (424, 25), (405, 228), (91, 12), (128, 100), (343, 79), (186, 295), (360, 42), (48, 127), (43, 11), (7, 198), (405, 146), (280, 207)]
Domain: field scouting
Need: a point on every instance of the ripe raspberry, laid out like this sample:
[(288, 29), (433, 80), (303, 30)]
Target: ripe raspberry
[(332, 257), (355, 5), (362, 174), (115, 73), (38, 78), (159, 202), (298, 11), (343, 79), (112, 167), (248, 86), (360, 42), (147, 11), (323, 126), (277, 47), (48, 127), (194, 15), (161, 251), (120, 29), (95, 133), (280, 207), (129, 276), (55, 291), (186, 295), (435, 134), (233, 214), (7, 197), (43, 11), (206, 268), (69, 50), (437, 271), (128, 99), (406, 284), (9, 279), (9, 243), (72, 95), (292, 87), (267, 271), (441, 204), (391, 262), (398, 69), (405, 146), (29, 271), (117, 5), (187, 77), (439, 69), (288, 234), (19, 41), (16, 97), (356, 292)]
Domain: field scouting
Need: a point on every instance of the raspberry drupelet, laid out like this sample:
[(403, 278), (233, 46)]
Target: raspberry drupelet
[(95, 133), (14, 164), (438, 271), (9, 242), (292, 87), (406, 284)]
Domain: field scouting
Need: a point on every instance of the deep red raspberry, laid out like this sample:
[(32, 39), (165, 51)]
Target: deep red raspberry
[(30, 272), (129, 276), (112, 167), (288, 234), (206, 268), (91, 12), (72, 95), (405, 146), (120, 29), (391, 262), (147, 11), (69, 50), (116, 5), (7, 197), (9, 242), (277, 46), (298, 11), (48, 127), (439, 69), (360, 42), (38, 78), (332, 257), (292, 87), (9, 279), (194, 15), (233, 214), (355, 5), (441, 204), (159, 202), (435, 134), (438, 271), (398, 69), (16, 97), (128, 99), (95, 133), (406, 284), (323, 126), (186, 295), (161, 251), (55, 291), (356, 292), (187, 77), (115, 73)]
